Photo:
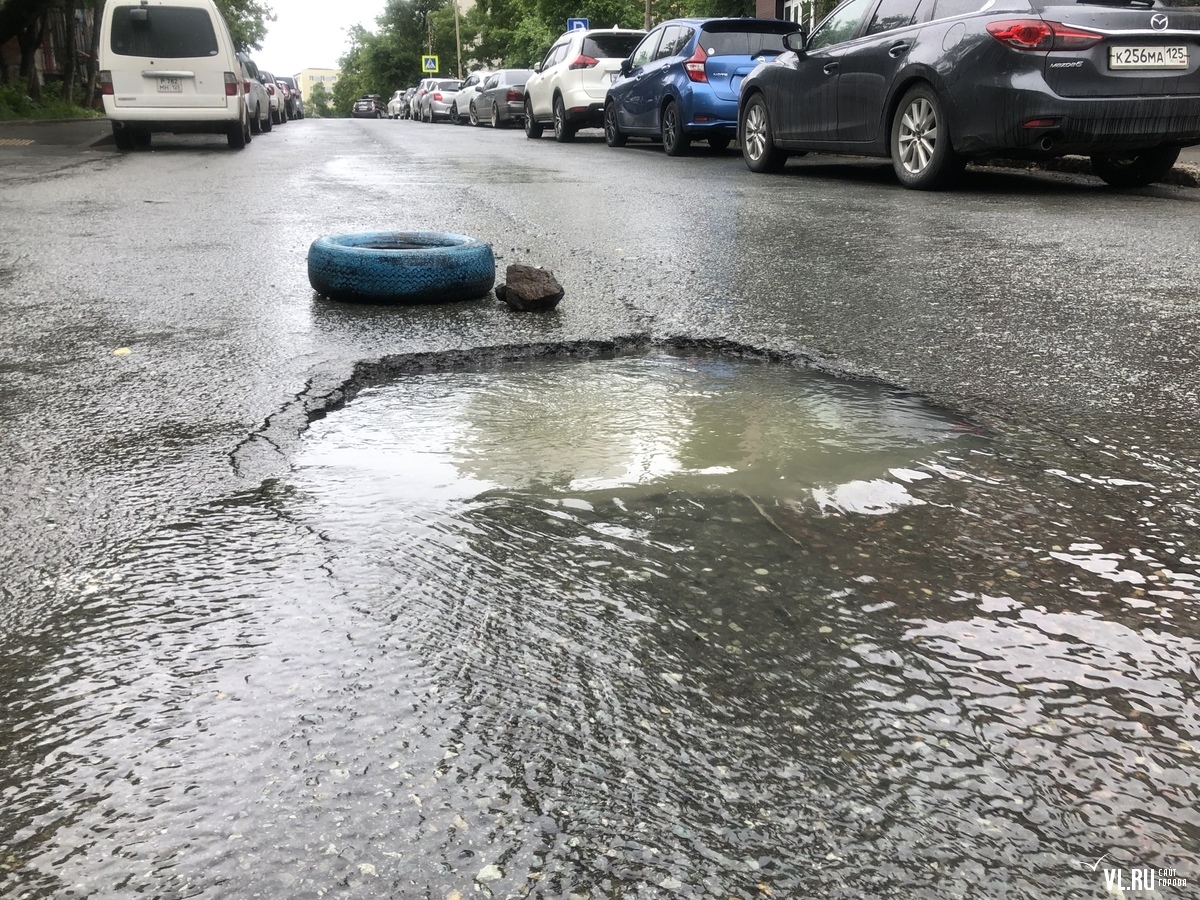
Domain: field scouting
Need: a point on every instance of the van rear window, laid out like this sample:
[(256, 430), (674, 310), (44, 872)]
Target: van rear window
[(163, 32)]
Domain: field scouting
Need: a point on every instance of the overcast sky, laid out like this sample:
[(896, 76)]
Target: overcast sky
[(312, 33)]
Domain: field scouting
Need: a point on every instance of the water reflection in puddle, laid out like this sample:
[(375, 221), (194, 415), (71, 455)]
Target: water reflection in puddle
[(630, 628)]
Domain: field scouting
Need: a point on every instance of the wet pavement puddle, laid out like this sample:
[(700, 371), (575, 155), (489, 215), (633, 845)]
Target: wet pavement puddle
[(650, 626)]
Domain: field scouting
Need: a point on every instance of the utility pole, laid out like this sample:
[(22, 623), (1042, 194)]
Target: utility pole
[(457, 38), (649, 22)]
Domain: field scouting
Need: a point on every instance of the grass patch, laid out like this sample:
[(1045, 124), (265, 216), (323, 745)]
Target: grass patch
[(16, 104)]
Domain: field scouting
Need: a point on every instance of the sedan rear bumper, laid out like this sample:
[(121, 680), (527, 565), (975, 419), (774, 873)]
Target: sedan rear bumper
[(1038, 122)]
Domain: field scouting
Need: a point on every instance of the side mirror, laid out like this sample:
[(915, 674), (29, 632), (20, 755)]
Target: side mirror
[(796, 41), (537, 67), (626, 66)]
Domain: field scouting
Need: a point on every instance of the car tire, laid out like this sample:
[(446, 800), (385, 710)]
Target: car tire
[(255, 123), (533, 128), (122, 137), (675, 142), (922, 154), (719, 143), (454, 119), (1138, 170), (236, 135), (613, 136), (495, 115), (401, 267), (564, 131), (141, 138), (267, 124), (754, 134), (473, 114)]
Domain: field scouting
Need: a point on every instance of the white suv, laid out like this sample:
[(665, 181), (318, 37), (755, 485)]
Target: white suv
[(568, 87)]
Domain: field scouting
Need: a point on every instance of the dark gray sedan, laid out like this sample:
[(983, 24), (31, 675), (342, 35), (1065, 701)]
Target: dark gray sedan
[(935, 83), (502, 98)]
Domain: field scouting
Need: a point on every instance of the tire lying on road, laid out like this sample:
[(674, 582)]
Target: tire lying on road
[(401, 267)]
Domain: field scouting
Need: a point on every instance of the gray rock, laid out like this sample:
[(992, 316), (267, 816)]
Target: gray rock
[(530, 289)]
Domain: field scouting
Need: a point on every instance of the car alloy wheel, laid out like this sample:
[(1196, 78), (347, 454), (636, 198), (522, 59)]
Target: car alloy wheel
[(758, 146), (563, 132), (473, 114), (533, 128), (675, 142), (495, 116), (922, 154), (612, 130), (454, 119)]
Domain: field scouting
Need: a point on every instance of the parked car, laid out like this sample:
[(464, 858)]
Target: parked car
[(502, 98), (394, 105), (368, 106), (414, 102), (681, 82), (258, 101), (461, 103), (295, 108), (278, 109), (171, 67), (568, 86), (934, 85), (438, 99)]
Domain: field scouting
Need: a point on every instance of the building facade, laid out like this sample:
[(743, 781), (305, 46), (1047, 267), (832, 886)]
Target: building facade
[(306, 78)]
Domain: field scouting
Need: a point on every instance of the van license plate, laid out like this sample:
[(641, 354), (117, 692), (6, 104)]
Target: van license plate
[(1147, 57), (170, 85)]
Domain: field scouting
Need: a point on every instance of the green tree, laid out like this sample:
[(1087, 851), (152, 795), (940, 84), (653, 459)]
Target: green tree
[(316, 104), (247, 20)]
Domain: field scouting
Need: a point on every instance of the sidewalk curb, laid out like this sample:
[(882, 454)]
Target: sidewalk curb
[(1183, 175)]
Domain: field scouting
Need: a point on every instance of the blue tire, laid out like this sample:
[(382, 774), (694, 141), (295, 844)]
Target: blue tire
[(401, 267)]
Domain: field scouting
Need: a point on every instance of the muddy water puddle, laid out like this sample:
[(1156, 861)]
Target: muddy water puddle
[(636, 627)]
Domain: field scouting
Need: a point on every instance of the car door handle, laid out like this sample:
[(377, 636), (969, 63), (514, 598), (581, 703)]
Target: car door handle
[(897, 49), (830, 68)]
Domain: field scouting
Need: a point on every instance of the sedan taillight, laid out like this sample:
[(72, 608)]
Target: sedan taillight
[(1038, 34), (583, 62), (514, 95), (231, 85), (695, 65), (437, 98), (270, 89)]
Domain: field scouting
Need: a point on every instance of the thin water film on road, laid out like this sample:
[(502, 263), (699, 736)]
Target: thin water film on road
[(638, 627)]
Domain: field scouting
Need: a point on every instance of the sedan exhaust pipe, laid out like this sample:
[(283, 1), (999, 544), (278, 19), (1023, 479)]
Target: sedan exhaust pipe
[(1046, 143)]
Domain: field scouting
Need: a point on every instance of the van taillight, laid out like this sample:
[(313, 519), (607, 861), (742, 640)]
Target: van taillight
[(106, 87), (231, 85), (513, 95), (695, 65)]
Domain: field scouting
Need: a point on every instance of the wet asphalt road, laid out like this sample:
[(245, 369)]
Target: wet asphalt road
[(1021, 299), (162, 347)]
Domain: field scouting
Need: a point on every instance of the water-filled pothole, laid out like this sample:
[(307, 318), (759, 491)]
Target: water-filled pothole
[(635, 627)]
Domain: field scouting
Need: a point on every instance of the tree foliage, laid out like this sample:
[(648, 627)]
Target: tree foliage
[(494, 33), (247, 20)]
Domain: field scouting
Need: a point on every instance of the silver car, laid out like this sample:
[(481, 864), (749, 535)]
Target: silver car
[(502, 99), (439, 97), (460, 106)]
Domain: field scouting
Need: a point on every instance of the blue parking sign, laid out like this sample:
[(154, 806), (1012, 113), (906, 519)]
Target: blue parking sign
[(577, 24)]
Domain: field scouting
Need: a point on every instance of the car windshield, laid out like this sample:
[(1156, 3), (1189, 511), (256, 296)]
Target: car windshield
[(166, 32), (741, 43), (611, 46)]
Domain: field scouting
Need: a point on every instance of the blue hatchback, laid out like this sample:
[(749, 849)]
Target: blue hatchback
[(682, 81)]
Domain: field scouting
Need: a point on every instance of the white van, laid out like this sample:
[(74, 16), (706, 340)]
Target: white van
[(170, 65)]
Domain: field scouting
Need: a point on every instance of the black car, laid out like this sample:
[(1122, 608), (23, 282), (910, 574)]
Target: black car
[(935, 83), (369, 106), (295, 102)]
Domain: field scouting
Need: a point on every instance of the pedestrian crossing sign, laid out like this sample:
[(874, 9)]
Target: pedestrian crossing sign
[(429, 63)]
